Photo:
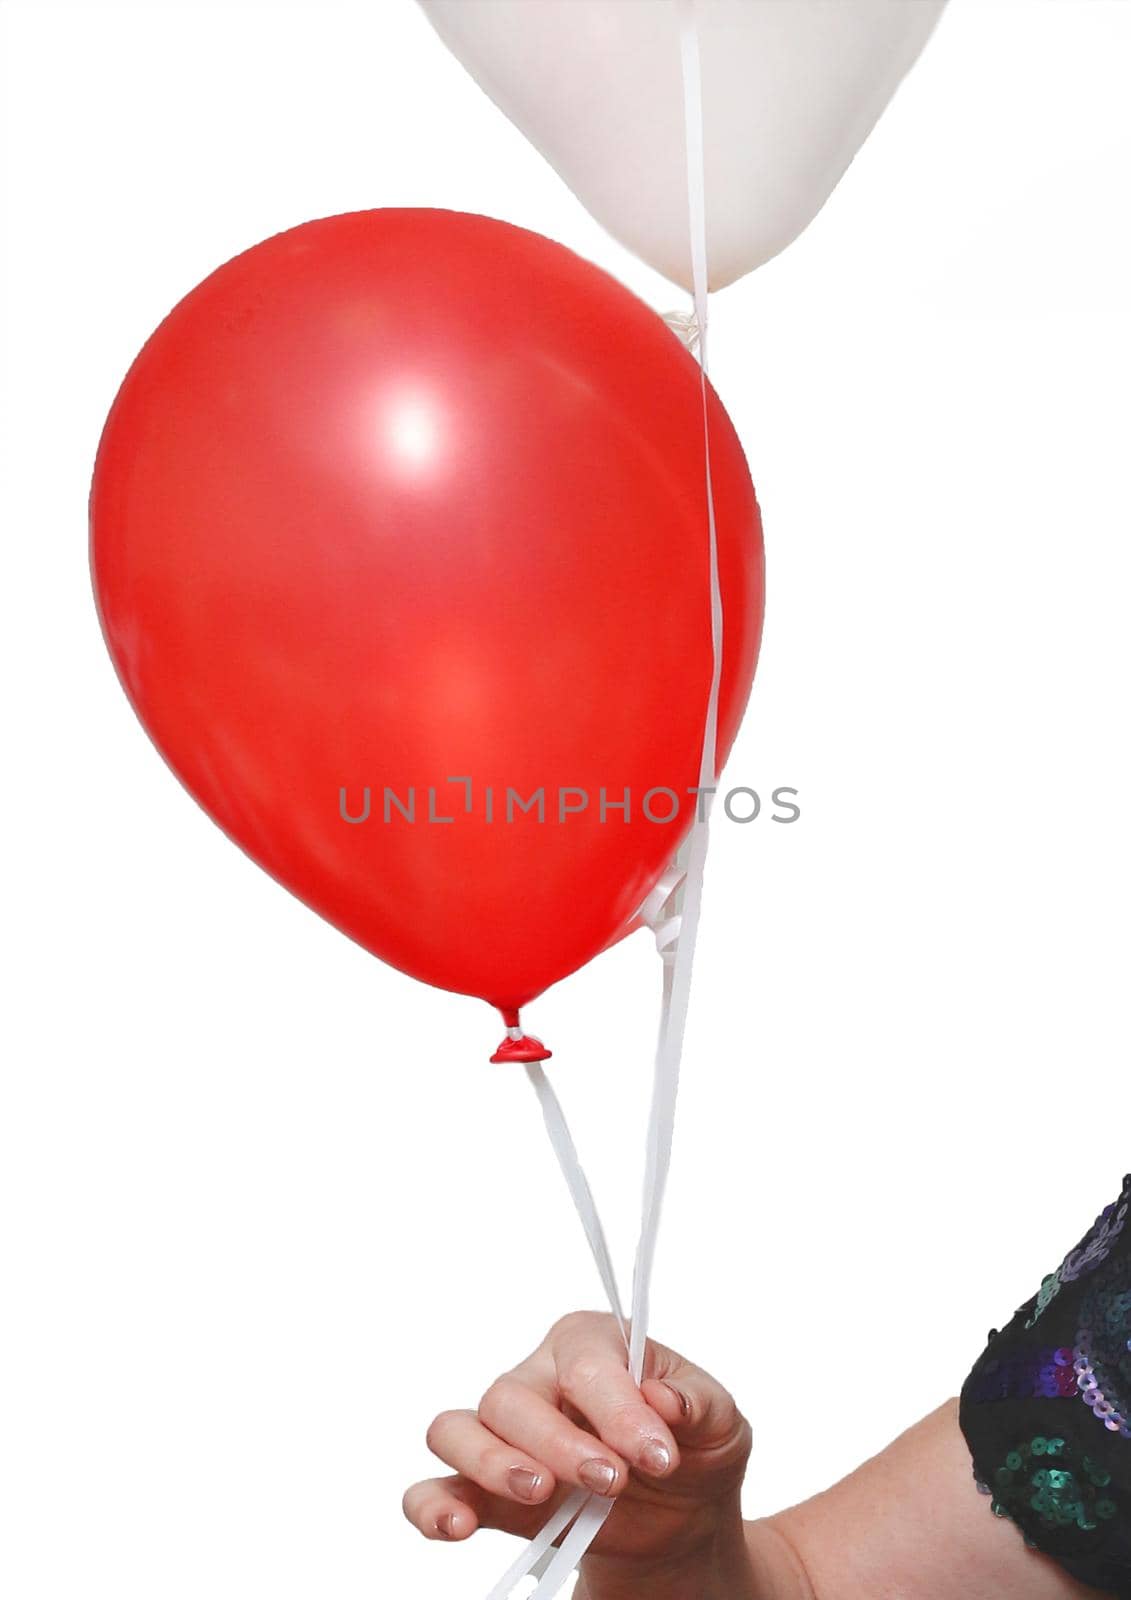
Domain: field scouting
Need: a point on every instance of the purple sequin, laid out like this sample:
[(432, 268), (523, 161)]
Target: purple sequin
[(1102, 1357), (1031, 1374)]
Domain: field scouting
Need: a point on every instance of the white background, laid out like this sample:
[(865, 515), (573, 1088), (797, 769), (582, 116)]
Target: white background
[(265, 1206)]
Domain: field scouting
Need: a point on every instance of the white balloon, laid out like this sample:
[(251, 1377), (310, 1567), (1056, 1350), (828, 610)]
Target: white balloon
[(791, 89)]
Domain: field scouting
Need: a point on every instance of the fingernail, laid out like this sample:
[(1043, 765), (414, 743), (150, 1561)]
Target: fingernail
[(655, 1458), (684, 1402), (598, 1476), (524, 1483), (446, 1525)]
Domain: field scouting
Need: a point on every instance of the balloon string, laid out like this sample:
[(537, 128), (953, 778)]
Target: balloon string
[(587, 1513), (566, 1151), (539, 1558), (678, 966), (532, 1558)]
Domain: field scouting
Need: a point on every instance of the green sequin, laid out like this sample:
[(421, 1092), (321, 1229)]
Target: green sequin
[(1062, 1496)]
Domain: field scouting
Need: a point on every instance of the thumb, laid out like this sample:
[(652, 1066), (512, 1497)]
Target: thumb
[(697, 1409)]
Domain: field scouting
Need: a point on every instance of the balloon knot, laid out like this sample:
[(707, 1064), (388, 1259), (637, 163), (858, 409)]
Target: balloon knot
[(519, 1046), (685, 326)]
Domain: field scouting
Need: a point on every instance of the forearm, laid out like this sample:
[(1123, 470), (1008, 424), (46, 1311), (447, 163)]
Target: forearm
[(907, 1524), (910, 1523)]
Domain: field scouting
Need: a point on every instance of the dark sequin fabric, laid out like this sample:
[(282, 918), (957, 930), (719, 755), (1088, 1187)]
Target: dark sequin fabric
[(1094, 1249), (1047, 1410)]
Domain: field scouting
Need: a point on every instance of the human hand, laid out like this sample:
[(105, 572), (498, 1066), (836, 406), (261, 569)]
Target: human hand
[(673, 1453)]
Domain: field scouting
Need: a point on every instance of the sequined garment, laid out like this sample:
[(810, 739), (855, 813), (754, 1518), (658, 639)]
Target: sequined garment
[(1047, 1410)]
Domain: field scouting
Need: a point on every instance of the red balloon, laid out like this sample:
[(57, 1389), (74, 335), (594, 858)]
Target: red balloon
[(409, 505)]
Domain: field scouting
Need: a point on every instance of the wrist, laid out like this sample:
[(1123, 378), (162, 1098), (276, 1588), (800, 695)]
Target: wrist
[(715, 1565), (779, 1566)]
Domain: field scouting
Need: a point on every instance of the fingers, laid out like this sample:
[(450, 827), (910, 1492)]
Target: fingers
[(452, 1509), (512, 1410), (529, 1444), (484, 1457), (440, 1508), (593, 1375)]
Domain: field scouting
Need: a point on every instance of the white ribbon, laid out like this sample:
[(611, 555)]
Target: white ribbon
[(672, 910), (533, 1558), (660, 911), (578, 1184), (677, 975)]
